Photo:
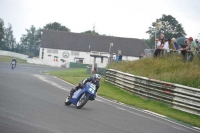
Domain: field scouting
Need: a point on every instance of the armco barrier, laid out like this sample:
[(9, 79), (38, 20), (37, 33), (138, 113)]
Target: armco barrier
[(178, 96)]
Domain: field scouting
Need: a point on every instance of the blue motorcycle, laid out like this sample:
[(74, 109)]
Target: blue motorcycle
[(81, 96)]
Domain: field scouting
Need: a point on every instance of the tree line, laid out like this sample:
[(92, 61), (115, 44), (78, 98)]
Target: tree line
[(30, 42)]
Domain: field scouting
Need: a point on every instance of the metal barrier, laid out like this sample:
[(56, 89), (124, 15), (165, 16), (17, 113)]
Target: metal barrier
[(163, 53), (178, 96)]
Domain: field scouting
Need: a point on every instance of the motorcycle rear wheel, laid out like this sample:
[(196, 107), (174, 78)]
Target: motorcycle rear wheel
[(82, 101)]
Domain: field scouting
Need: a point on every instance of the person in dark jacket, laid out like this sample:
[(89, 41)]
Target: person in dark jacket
[(95, 80)]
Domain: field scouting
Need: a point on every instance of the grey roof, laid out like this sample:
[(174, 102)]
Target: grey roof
[(82, 41)]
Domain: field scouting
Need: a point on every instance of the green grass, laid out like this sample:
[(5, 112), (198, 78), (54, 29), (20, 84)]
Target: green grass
[(107, 90), (172, 70), (9, 59)]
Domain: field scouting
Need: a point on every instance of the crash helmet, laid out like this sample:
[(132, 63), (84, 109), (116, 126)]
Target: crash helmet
[(96, 78)]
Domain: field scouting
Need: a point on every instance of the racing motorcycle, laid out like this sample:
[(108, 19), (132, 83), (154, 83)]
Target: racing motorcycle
[(12, 65), (81, 96)]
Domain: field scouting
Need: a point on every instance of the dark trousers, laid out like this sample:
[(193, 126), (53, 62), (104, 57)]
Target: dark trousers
[(157, 52)]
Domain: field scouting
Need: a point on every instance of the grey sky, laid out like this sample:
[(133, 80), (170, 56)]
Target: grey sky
[(122, 18)]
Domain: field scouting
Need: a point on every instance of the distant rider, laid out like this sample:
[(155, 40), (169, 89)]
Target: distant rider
[(95, 80), (15, 61)]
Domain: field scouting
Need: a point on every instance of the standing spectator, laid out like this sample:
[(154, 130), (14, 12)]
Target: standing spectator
[(117, 58), (158, 48), (162, 39), (120, 57), (114, 57), (184, 50), (142, 55), (193, 47), (175, 43), (166, 45), (171, 44)]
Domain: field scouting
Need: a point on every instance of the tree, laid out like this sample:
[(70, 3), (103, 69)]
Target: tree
[(91, 32), (9, 40), (170, 27), (56, 26), (148, 42), (31, 40), (1, 32)]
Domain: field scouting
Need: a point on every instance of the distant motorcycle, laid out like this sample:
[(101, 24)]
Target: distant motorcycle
[(12, 65), (81, 96)]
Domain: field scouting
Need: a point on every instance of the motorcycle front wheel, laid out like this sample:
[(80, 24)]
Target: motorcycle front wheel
[(82, 101)]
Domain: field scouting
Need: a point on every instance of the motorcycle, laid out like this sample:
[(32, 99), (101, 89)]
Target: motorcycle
[(12, 65), (81, 96)]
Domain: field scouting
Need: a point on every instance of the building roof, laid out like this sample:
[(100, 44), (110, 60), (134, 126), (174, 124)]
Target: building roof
[(89, 42)]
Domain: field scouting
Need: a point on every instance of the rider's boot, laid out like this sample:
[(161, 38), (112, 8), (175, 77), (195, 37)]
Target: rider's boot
[(71, 93)]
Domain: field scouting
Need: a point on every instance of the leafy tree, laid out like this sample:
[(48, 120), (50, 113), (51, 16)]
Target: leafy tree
[(91, 32), (170, 28), (9, 40), (1, 32), (31, 40), (148, 42), (56, 26)]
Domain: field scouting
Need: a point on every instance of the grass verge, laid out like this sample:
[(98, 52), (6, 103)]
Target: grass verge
[(9, 59), (107, 90)]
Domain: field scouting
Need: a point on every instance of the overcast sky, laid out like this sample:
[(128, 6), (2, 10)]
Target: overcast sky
[(121, 18)]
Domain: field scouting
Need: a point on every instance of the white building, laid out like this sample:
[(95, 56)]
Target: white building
[(58, 47)]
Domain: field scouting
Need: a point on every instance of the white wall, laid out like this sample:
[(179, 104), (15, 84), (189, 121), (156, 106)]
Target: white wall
[(86, 55), (13, 54), (50, 60)]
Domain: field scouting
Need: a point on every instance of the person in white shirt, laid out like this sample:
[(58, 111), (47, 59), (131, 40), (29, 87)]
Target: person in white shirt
[(166, 45), (158, 48), (114, 57)]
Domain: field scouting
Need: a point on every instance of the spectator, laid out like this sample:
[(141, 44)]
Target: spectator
[(193, 47), (117, 58), (158, 48), (175, 44), (179, 47), (120, 57), (142, 55), (162, 39), (171, 44), (183, 50), (114, 57), (166, 45)]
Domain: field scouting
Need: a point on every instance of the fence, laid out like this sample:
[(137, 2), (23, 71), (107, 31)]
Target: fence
[(178, 96)]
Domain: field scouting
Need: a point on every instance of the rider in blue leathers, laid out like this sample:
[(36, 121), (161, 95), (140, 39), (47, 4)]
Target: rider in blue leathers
[(95, 80)]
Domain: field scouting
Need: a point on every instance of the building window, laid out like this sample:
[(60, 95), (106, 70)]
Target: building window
[(55, 51), (49, 51), (74, 53), (52, 51)]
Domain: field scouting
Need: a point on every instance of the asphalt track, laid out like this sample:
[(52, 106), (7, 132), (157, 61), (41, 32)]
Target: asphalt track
[(32, 102)]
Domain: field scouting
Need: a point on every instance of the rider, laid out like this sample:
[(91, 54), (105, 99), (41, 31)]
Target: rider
[(15, 61), (95, 80)]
